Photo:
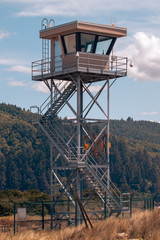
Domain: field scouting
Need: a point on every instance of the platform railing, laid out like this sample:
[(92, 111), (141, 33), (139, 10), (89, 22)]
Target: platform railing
[(81, 61)]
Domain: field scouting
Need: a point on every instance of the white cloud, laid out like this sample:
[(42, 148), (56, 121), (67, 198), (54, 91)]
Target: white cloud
[(145, 55), (40, 87), (74, 7), (95, 88), (149, 113), (3, 35), (19, 68), (16, 83)]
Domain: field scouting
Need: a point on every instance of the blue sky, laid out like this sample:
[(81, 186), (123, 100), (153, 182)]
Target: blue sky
[(136, 95)]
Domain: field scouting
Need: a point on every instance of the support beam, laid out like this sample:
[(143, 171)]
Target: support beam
[(79, 141), (108, 131)]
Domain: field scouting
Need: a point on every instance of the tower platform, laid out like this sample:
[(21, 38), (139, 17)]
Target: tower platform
[(90, 66)]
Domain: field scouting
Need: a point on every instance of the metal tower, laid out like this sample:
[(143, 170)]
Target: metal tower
[(75, 117)]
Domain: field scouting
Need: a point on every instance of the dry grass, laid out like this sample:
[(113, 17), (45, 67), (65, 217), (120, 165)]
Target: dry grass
[(143, 225)]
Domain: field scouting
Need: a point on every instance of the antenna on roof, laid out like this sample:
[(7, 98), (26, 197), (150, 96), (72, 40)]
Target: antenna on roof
[(113, 22)]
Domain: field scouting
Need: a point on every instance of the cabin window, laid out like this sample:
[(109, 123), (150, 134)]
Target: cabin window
[(103, 45), (87, 42), (70, 43)]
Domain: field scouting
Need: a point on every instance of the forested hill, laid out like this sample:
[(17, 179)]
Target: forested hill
[(24, 153), (148, 132)]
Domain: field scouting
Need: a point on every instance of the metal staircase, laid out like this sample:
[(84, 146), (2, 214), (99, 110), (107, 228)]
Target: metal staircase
[(63, 93), (60, 101), (96, 175), (56, 139), (52, 126), (104, 187)]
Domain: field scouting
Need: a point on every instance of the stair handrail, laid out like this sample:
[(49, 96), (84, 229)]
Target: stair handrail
[(107, 178), (60, 94), (113, 188), (112, 185), (42, 107), (116, 200), (71, 142), (47, 102), (49, 126)]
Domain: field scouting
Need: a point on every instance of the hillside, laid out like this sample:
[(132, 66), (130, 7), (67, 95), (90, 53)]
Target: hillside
[(24, 153), (140, 134), (148, 132)]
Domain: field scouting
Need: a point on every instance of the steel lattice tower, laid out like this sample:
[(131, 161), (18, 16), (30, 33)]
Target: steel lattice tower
[(80, 57)]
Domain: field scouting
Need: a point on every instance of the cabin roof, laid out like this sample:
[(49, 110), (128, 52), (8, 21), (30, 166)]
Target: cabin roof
[(81, 26)]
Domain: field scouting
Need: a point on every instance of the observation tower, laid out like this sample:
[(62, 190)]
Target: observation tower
[(79, 68)]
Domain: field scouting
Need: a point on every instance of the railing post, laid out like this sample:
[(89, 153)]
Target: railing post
[(77, 56)]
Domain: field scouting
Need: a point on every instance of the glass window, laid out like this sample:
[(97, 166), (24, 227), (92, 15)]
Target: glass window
[(57, 56), (87, 42), (57, 49), (70, 43), (103, 45)]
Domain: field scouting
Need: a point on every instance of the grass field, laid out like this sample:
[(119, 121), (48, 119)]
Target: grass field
[(143, 225)]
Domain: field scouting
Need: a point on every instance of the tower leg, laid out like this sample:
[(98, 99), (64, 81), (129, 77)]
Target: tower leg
[(79, 141), (108, 131)]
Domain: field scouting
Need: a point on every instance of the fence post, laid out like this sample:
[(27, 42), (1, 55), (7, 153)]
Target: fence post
[(145, 207), (42, 215), (150, 203), (14, 217), (147, 204), (51, 213), (105, 207), (130, 206), (75, 212), (68, 209)]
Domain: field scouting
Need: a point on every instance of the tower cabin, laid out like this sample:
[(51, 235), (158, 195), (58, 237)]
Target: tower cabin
[(80, 47)]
